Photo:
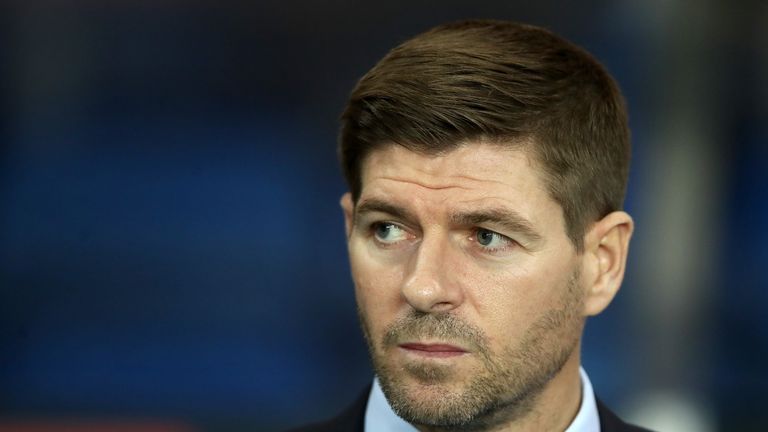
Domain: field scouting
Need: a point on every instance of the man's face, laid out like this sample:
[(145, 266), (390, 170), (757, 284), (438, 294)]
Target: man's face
[(467, 285)]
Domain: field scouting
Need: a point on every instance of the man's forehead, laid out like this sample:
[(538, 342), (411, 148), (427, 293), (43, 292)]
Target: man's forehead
[(477, 178), (468, 157), (471, 164)]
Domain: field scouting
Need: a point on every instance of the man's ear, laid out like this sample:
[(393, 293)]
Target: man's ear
[(349, 211), (606, 248)]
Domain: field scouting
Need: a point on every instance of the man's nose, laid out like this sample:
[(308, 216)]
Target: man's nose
[(430, 285)]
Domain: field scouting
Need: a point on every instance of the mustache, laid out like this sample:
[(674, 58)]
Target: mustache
[(444, 327)]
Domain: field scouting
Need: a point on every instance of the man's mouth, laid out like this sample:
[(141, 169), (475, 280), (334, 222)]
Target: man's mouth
[(432, 350)]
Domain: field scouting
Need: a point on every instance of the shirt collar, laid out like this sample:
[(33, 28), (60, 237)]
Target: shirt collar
[(379, 416), (587, 419)]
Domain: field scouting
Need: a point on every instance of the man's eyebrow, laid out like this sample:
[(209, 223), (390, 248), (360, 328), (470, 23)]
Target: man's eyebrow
[(369, 205), (505, 218)]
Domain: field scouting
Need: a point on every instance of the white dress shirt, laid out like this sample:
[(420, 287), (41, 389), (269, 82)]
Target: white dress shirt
[(379, 416)]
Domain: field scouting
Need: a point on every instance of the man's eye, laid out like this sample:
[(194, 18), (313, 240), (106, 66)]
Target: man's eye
[(491, 240), (389, 233)]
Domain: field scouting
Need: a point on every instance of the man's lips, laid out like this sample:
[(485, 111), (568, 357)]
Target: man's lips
[(433, 350)]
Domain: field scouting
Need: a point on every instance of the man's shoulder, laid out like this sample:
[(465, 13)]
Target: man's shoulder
[(610, 422), (352, 419)]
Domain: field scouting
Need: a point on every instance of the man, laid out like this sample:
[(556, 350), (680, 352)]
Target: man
[(487, 164)]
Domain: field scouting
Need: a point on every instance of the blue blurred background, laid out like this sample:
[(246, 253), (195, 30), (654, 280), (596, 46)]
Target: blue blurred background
[(171, 248)]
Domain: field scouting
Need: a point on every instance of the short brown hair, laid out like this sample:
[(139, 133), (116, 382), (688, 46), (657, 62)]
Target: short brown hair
[(508, 83)]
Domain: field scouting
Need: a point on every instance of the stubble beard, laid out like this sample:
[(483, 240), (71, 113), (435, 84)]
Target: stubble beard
[(504, 387)]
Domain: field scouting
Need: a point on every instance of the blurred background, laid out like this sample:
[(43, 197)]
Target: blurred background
[(172, 253)]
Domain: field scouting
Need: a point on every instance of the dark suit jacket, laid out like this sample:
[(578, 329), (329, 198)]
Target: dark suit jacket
[(352, 419)]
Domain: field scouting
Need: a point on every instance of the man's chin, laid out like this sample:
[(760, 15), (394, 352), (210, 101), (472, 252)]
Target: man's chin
[(424, 402), (430, 393)]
